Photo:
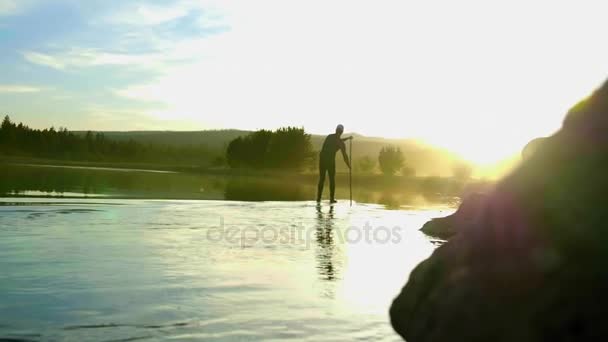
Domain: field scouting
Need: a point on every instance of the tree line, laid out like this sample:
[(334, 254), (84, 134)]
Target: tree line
[(391, 161), (285, 148), (291, 148), (22, 141)]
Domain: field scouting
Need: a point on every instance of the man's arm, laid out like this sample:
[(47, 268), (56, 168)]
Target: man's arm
[(344, 155)]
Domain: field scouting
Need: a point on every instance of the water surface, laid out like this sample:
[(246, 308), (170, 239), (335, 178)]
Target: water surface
[(123, 269), (84, 182)]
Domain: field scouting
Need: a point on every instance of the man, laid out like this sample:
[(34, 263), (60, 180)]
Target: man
[(327, 162)]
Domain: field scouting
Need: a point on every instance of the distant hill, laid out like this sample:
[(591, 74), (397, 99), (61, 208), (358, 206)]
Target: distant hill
[(213, 139), (425, 159)]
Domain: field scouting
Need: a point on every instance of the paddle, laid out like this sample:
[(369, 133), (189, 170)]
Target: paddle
[(350, 172)]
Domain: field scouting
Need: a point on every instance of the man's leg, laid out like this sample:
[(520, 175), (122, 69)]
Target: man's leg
[(332, 182), (322, 171)]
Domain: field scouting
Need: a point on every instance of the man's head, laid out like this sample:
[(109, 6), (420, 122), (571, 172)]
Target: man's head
[(339, 130)]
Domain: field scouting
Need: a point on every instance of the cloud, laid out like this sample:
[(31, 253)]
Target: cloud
[(16, 89), (15, 7), (83, 58), (183, 17), (8, 7), (44, 59), (136, 38), (146, 14)]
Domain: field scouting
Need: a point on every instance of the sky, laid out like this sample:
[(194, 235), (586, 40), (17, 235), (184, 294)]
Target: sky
[(480, 78)]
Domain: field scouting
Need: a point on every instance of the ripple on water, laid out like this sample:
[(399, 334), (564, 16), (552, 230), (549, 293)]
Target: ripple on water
[(127, 270)]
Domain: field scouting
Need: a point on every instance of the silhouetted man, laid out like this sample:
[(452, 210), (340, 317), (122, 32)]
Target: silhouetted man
[(327, 162)]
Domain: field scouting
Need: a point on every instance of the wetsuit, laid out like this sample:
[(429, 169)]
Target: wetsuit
[(327, 164)]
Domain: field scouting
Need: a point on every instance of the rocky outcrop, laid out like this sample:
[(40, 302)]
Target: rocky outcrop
[(467, 213), (471, 206), (532, 263), (531, 147)]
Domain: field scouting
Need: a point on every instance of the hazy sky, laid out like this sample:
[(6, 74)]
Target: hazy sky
[(479, 77)]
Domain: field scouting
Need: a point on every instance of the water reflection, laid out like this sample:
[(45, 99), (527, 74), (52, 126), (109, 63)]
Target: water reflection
[(33, 181), (252, 189), (325, 244), (23, 180), (389, 200)]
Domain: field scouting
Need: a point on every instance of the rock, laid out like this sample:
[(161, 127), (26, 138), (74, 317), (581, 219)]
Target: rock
[(531, 147), (532, 263), (470, 208), (467, 213)]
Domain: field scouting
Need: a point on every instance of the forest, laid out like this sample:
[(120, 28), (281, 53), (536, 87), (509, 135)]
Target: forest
[(286, 148), (19, 140)]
